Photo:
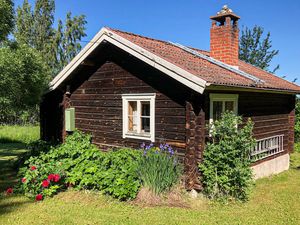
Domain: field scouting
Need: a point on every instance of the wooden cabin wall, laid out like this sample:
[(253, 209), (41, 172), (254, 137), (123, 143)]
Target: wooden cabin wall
[(272, 114), (51, 117), (98, 109)]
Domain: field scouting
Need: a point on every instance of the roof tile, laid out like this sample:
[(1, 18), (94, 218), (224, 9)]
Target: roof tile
[(206, 70)]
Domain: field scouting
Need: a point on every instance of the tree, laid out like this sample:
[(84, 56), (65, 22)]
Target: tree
[(23, 78), (24, 29), (58, 46), (43, 31), (6, 18), (256, 49), (66, 40)]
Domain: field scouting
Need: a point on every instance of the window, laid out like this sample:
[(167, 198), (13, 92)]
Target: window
[(138, 116), (220, 103)]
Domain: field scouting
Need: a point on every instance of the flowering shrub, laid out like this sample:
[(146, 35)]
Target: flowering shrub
[(9, 191), (44, 179), (82, 165), (159, 169)]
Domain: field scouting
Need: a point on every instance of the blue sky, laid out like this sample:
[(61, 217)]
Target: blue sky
[(187, 22)]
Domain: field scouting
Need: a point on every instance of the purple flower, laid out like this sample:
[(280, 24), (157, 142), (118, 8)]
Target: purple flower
[(161, 146), (149, 146), (143, 145)]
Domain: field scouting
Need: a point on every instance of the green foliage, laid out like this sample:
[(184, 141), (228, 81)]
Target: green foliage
[(37, 172), (159, 169), (297, 121), (58, 46), (86, 167), (297, 147), (256, 49), (226, 171), (114, 173), (6, 18), (23, 78), (24, 30), (35, 148), (66, 40)]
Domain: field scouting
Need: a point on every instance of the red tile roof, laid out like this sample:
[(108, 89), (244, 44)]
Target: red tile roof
[(208, 71)]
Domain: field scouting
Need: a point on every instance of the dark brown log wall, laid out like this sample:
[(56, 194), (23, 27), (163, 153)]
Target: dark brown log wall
[(195, 141), (272, 114), (98, 109), (51, 117)]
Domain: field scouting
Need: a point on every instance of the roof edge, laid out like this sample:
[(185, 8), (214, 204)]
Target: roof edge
[(106, 34), (248, 88)]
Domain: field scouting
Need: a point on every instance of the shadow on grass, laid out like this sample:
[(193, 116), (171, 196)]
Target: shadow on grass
[(9, 153), (11, 203), (4, 140)]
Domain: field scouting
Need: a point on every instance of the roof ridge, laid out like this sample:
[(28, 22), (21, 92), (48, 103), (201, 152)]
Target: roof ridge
[(220, 63), (138, 35)]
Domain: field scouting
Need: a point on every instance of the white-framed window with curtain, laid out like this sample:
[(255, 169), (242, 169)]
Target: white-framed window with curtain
[(220, 103), (139, 116)]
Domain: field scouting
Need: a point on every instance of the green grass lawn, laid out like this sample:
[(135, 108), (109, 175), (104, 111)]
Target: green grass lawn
[(18, 134), (13, 141), (274, 200)]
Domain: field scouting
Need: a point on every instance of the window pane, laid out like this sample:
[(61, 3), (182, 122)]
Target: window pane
[(145, 108), (132, 116), (229, 106), (217, 110), (145, 126)]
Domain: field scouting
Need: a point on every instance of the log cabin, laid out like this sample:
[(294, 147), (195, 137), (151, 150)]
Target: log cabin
[(126, 89)]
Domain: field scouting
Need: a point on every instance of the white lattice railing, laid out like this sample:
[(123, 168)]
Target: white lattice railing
[(267, 147)]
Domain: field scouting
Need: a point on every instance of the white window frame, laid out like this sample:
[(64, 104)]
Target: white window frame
[(139, 98), (222, 98)]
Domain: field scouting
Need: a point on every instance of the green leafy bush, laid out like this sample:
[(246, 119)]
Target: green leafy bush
[(41, 179), (84, 166), (35, 148), (226, 171), (297, 147), (159, 169)]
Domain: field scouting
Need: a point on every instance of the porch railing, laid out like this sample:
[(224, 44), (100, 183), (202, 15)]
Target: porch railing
[(267, 147)]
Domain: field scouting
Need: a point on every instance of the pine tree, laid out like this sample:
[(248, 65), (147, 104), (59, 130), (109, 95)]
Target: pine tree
[(6, 18), (67, 39), (43, 31), (257, 50), (24, 29)]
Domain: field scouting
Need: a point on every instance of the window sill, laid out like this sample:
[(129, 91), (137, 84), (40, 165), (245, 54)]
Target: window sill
[(139, 136)]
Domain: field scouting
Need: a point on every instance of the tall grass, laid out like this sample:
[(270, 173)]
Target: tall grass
[(21, 134)]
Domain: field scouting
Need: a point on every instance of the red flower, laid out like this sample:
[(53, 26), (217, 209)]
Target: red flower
[(9, 191), (56, 178), (51, 177), (23, 180), (45, 183), (39, 197), (32, 168)]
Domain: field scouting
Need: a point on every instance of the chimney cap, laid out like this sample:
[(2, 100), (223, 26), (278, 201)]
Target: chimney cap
[(225, 12)]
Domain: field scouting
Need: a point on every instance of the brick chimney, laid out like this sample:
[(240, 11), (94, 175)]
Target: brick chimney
[(224, 37)]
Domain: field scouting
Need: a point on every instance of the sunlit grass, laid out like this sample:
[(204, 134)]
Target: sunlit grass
[(22, 134), (274, 200)]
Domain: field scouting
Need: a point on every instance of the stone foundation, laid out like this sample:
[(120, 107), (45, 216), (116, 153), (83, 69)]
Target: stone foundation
[(271, 167)]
